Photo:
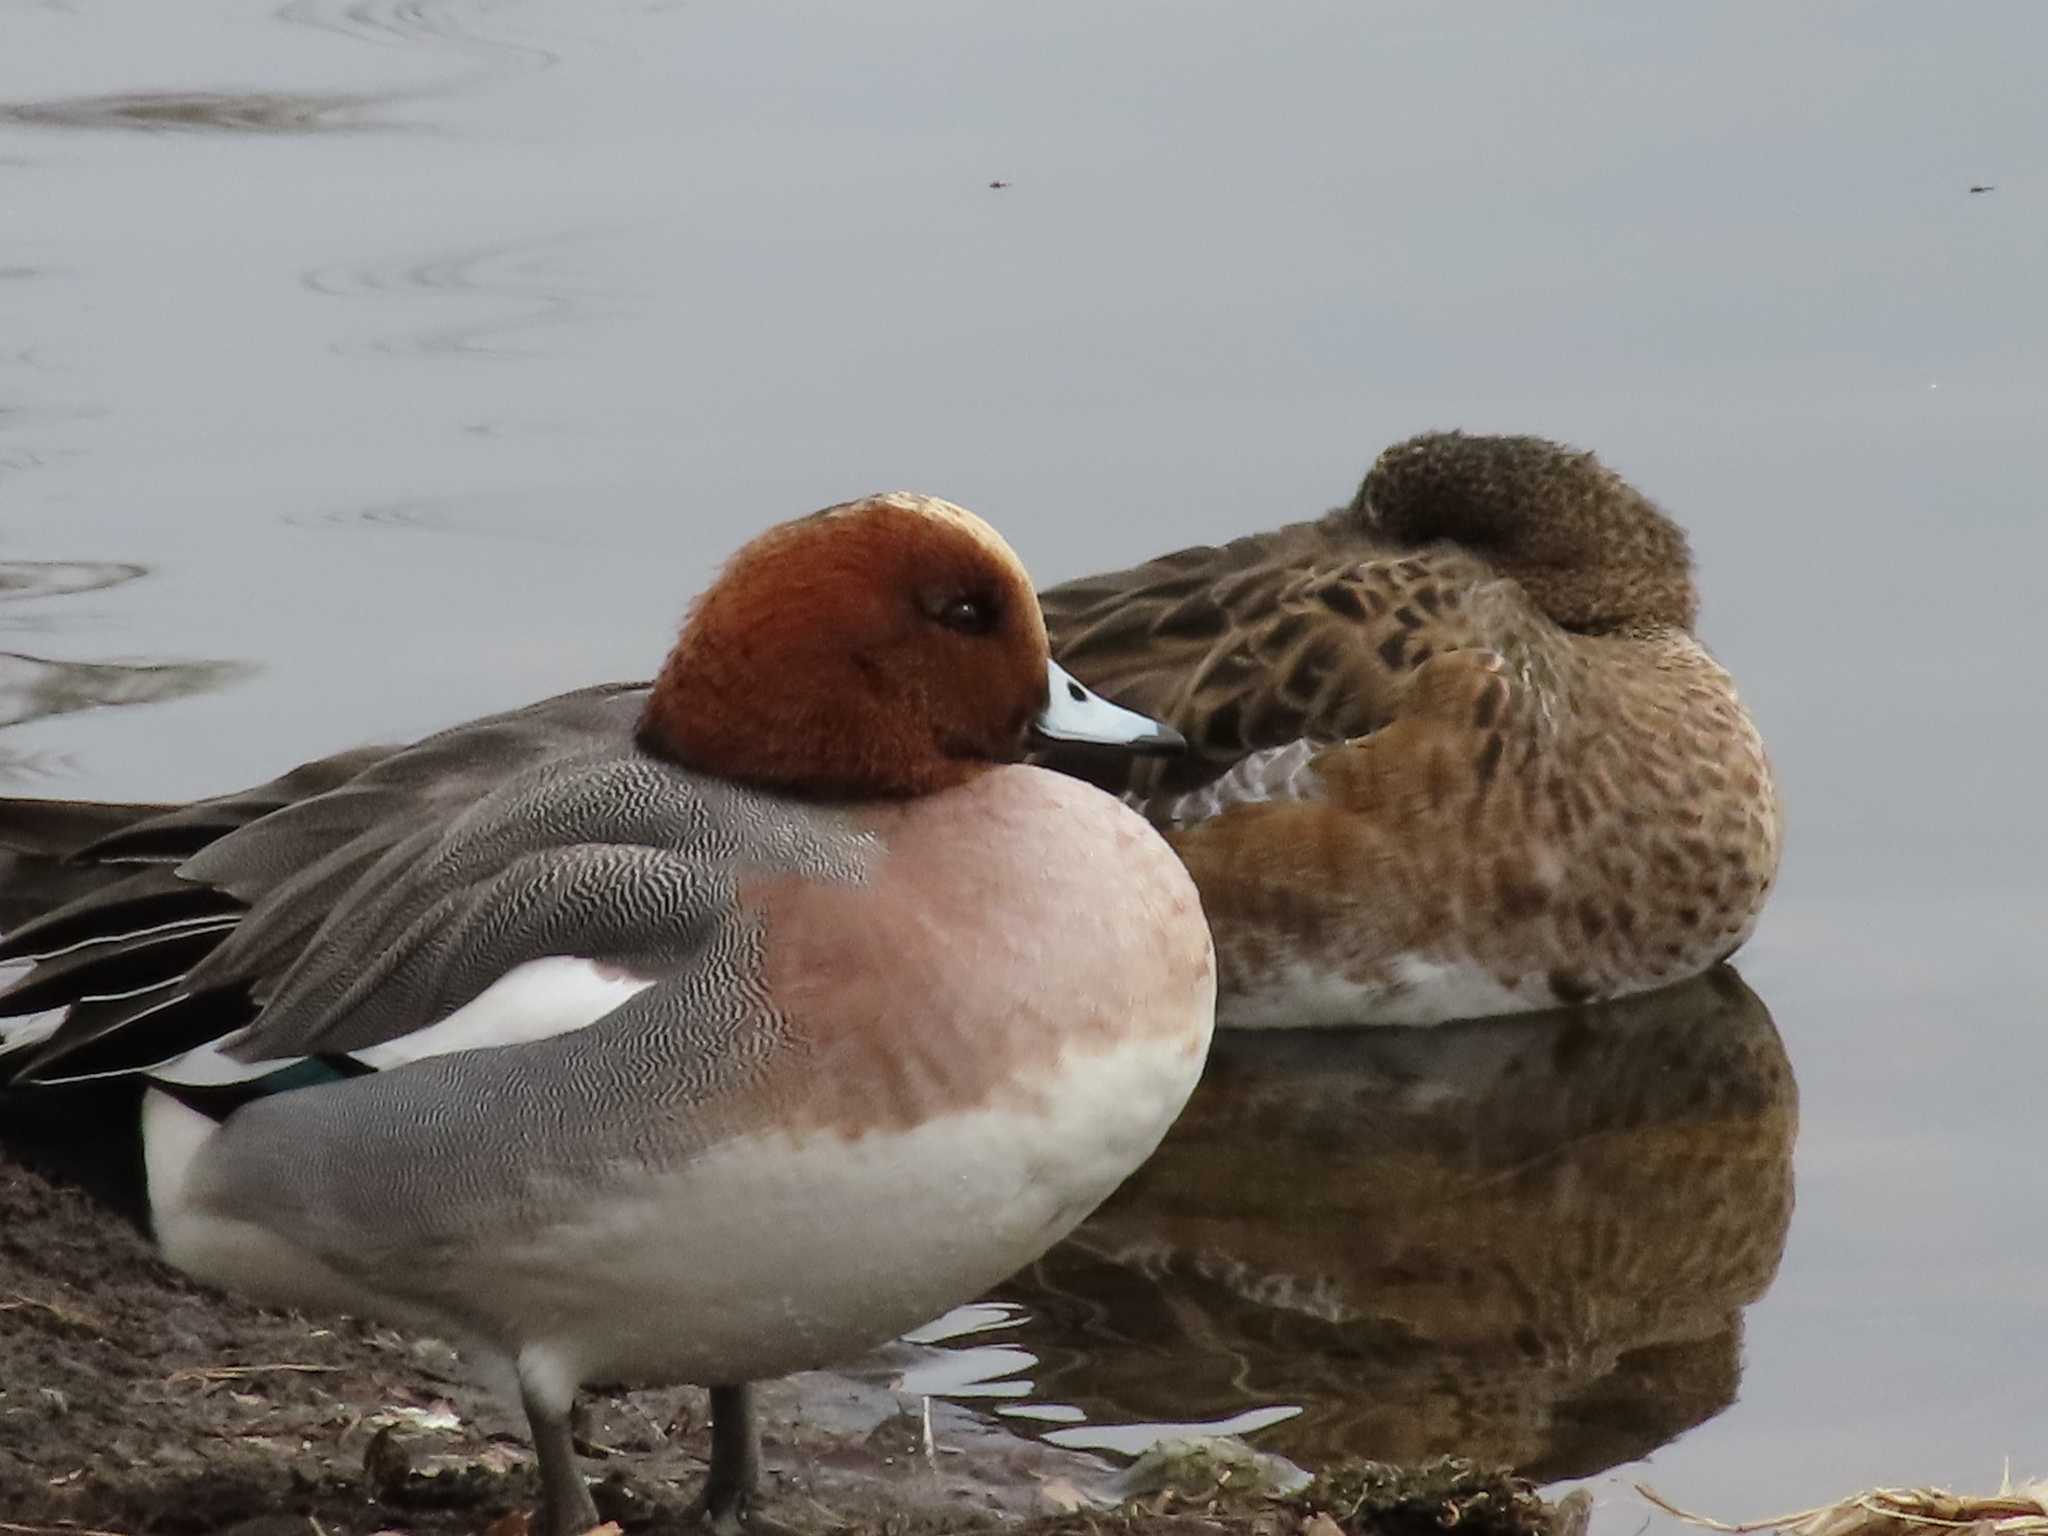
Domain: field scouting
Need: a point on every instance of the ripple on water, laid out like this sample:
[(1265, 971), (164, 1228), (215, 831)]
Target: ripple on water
[(21, 579), (396, 516), (458, 26), (230, 112), (511, 279), (36, 687), (1529, 1241), (452, 25), (481, 518)]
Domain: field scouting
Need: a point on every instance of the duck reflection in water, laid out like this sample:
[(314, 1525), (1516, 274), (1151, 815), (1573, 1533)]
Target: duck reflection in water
[(1528, 1241)]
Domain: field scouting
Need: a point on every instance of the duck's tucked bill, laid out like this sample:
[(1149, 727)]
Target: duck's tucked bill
[(1075, 717), (1455, 750), (698, 1031)]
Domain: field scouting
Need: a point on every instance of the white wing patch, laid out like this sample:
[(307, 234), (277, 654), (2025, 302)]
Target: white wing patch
[(534, 1001), (1420, 990), (209, 1065), (551, 996)]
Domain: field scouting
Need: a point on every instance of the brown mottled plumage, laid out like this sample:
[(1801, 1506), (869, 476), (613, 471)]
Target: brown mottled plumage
[(1455, 749)]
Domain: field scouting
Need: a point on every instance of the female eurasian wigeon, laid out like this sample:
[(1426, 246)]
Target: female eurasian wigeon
[(1455, 749), (700, 1031)]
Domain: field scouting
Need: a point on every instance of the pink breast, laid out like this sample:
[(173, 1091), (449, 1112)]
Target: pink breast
[(1014, 927)]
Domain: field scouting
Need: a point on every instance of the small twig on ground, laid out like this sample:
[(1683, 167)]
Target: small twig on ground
[(13, 1529), (64, 1314)]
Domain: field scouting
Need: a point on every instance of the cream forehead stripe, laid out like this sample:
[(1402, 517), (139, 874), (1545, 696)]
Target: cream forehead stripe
[(938, 511)]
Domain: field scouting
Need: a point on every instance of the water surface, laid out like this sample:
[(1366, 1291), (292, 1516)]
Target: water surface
[(366, 366)]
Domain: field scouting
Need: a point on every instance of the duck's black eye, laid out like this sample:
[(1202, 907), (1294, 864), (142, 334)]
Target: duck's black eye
[(969, 613)]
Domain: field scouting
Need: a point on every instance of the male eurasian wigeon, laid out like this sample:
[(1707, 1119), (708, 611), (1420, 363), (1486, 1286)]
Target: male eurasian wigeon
[(1455, 749), (696, 1031)]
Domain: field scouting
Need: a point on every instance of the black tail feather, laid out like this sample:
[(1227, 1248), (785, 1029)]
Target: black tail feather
[(138, 904), (95, 1041), (114, 969)]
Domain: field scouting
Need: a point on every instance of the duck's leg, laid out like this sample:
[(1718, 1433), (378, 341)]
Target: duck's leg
[(565, 1504), (728, 1498)]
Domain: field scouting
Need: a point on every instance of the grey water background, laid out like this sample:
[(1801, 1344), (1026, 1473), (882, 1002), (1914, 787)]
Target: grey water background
[(377, 363)]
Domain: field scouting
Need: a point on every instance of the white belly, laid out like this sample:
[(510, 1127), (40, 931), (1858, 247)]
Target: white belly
[(1416, 989), (766, 1254)]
